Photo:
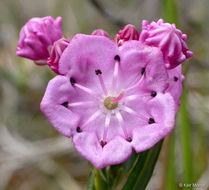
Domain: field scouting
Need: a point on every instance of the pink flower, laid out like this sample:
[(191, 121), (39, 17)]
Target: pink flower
[(100, 32), (129, 32), (169, 39), (111, 99), (56, 51), (37, 36)]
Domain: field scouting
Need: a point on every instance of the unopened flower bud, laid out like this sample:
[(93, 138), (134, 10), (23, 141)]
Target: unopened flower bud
[(56, 51), (129, 32), (169, 39), (100, 32), (37, 36)]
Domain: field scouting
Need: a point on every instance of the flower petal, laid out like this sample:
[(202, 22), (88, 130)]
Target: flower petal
[(135, 57), (162, 109), (175, 84), (85, 52), (114, 152), (59, 91)]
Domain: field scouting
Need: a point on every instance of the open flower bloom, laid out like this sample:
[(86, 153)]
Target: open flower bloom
[(169, 39), (110, 99), (37, 36), (110, 96)]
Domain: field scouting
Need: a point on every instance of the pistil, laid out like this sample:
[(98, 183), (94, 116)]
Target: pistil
[(117, 99)]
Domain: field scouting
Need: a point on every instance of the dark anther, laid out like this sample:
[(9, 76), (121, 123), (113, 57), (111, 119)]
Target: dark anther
[(103, 143), (117, 58), (98, 72), (129, 139), (153, 93), (151, 121), (72, 80), (78, 129), (65, 104), (143, 70), (175, 78)]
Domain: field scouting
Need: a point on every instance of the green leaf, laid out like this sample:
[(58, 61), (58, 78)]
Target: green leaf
[(143, 169), (169, 9), (171, 182), (118, 172), (130, 162), (186, 140)]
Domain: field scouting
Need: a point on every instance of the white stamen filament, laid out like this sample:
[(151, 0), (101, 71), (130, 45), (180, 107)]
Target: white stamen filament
[(84, 103), (146, 96), (102, 84), (121, 122), (132, 112), (132, 97), (85, 89), (136, 84), (92, 118), (115, 77), (107, 123)]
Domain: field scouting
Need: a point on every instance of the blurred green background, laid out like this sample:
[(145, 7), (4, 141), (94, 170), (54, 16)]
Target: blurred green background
[(33, 156)]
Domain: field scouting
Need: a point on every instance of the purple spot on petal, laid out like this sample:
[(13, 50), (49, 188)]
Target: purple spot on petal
[(72, 80), (142, 71), (65, 104), (153, 94), (129, 139), (98, 72), (78, 129), (151, 121), (175, 78), (103, 143), (117, 58)]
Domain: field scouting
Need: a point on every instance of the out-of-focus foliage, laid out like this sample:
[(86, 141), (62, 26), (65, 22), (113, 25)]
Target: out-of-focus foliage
[(32, 154)]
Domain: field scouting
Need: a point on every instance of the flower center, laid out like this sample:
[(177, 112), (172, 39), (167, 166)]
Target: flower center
[(109, 104)]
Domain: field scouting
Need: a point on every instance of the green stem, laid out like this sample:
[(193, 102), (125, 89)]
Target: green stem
[(100, 183)]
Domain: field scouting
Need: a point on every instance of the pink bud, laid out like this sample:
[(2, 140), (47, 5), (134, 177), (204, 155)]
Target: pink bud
[(37, 36), (129, 32), (100, 32), (169, 39), (56, 51)]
